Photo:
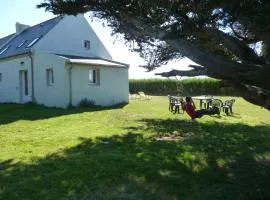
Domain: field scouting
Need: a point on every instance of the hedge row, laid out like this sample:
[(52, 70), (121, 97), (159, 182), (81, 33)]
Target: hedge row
[(185, 87)]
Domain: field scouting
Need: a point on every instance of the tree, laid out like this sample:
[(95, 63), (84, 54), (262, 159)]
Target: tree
[(230, 40)]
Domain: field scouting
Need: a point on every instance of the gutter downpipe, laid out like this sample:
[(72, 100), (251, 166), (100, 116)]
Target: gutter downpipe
[(32, 75), (70, 84)]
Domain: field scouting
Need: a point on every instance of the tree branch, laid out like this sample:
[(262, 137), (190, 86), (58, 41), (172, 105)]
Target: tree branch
[(189, 73), (221, 68), (238, 47), (255, 95), (247, 40)]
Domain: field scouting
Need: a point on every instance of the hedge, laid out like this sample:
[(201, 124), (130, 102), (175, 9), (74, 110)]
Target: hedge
[(185, 87)]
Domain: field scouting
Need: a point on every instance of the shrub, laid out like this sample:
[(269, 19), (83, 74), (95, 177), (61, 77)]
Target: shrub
[(185, 87), (86, 103)]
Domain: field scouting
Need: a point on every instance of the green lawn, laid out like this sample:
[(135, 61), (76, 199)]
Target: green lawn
[(136, 151)]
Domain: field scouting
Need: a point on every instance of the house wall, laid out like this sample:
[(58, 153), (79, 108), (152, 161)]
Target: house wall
[(113, 85), (112, 88), (10, 84), (56, 94), (68, 36)]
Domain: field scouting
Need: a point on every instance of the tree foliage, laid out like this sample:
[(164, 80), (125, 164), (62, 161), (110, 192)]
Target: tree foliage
[(230, 40)]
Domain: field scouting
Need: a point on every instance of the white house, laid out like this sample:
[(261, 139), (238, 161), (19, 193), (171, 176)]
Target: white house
[(58, 63)]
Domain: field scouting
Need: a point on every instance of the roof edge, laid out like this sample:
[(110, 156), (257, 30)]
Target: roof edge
[(69, 57), (108, 64), (15, 55)]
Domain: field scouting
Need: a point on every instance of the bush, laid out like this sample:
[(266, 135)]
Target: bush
[(86, 103), (185, 87)]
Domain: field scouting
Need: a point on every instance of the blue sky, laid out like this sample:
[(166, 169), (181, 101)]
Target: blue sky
[(12, 11)]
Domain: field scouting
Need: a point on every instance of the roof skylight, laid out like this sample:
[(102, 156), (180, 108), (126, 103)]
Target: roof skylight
[(3, 50), (33, 42), (22, 43)]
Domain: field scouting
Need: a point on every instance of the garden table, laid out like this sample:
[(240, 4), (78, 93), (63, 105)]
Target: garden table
[(204, 99)]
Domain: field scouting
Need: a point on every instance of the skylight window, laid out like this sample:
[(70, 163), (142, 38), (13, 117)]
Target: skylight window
[(33, 42), (22, 43), (3, 50)]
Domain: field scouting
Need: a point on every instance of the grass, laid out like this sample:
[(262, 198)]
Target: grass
[(134, 151)]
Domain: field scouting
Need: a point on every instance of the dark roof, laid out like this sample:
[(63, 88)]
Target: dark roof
[(18, 42), (5, 39)]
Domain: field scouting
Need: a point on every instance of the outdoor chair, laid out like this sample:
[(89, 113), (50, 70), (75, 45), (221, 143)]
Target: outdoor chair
[(171, 103), (227, 106), (133, 96), (179, 105), (175, 104), (216, 103), (143, 96)]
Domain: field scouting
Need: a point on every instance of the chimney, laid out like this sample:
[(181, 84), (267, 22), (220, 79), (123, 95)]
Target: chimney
[(20, 27)]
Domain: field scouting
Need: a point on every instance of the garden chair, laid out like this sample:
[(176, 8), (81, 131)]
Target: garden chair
[(216, 103), (142, 96), (227, 106), (179, 104), (133, 96), (175, 103), (171, 103)]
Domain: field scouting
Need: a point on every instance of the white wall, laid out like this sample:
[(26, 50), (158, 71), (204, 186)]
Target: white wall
[(113, 87), (10, 85), (56, 94), (68, 36)]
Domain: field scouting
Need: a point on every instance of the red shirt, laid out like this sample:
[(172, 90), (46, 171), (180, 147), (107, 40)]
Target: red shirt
[(190, 110)]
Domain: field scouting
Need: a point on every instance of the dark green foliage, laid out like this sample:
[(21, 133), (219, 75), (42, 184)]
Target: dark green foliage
[(86, 103), (193, 86)]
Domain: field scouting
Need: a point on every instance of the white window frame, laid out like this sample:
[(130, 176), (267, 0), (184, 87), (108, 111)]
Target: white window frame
[(3, 50), (93, 76), (22, 43), (50, 79), (87, 44), (33, 42)]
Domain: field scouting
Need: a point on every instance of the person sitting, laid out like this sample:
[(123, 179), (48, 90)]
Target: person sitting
[(190, 108)]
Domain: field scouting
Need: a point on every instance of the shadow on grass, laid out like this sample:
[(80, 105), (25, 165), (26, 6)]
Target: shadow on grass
[(11, 112), (212, 161)]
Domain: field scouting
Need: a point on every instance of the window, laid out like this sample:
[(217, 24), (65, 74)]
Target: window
[(49, 77), (22, 43), (93, 76), (87, 44), (33, 42), (0, 77), (3, 50)]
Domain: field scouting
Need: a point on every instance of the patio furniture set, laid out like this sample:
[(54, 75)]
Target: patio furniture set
[(205, 102)]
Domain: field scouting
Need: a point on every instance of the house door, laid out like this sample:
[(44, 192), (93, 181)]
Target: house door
[(24, 87)]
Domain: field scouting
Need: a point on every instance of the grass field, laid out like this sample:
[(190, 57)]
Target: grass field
[(135, 151)]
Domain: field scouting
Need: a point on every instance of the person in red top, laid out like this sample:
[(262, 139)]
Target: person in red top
[(190, 108)]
